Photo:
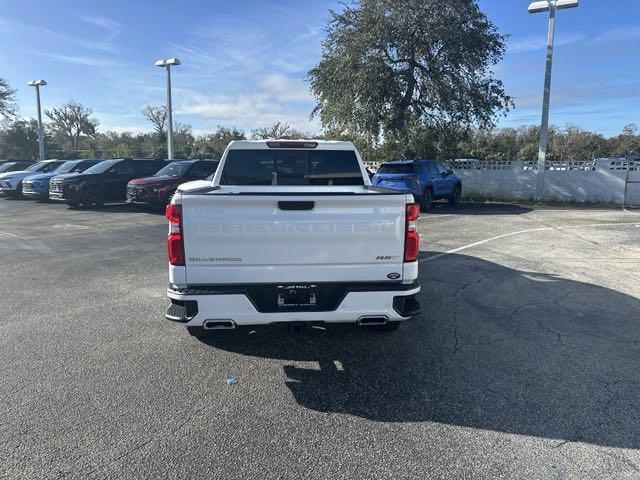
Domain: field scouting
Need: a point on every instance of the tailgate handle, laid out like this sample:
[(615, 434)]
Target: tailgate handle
[(296, 205)]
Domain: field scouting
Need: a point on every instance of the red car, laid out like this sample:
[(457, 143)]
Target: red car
[(158, 190)]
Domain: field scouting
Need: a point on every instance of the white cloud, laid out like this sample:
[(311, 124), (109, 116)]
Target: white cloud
[(80, 60), (112, 29), (53, 36), (286, 89), (240, 71), (618, 34), (246, 110), (275, 97), (539, 42)]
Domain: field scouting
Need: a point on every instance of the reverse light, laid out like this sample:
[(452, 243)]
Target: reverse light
[(175, 244), (411, 238)]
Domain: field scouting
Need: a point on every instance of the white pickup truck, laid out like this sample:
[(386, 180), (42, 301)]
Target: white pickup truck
[(291, 231)]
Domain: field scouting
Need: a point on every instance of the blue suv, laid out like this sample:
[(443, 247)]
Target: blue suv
[(37, 186), (427, 180)]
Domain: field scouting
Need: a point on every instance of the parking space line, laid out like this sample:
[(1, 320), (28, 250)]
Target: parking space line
[(520, 232)]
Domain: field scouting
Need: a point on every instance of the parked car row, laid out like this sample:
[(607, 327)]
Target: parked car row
[(14, 166), (93, 182)]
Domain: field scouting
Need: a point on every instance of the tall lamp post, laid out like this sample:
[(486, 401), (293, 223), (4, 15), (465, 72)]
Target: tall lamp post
[(37, 84), (536, 7), (166, 63)]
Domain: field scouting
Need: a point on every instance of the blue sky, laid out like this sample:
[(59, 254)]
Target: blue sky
[(244, 61)]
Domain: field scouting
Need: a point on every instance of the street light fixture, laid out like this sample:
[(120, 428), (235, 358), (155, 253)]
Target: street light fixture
[(536, 7), (38, 84), (166, 63)]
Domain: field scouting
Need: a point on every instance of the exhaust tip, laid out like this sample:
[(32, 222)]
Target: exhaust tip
[(373, 320), (219, 325)]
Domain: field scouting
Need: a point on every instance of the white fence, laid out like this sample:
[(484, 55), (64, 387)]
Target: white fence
[(604, 180)]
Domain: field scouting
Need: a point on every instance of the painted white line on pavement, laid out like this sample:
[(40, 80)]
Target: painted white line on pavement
[(520, 232)]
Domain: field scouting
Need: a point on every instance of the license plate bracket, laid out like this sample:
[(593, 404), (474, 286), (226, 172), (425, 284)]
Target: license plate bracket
[(298, 295)]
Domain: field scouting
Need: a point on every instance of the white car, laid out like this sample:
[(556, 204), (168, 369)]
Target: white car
[(291, 231), (11, 182)]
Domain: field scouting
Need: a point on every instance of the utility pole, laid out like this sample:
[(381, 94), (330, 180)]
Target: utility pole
[(37, 84), (166, 63), (547, 6)]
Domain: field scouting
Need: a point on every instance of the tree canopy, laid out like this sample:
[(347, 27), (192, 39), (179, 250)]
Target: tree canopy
[(212, 145), (8, 106), (157, 115), (278, 130), (19, 140), (389, 66), (71, 122)]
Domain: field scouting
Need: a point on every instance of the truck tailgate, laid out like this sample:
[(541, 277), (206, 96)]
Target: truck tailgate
[(272, 238)]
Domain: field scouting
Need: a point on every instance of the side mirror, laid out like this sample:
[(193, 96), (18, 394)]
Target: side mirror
[(449, 172)]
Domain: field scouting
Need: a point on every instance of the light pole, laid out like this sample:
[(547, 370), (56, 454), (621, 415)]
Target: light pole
[(547, 6), (37, 84), (166, 63)]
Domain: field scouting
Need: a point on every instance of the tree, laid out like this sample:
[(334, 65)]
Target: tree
[(628, 143), (389, 64), (575, 143), (8, 107), (157, 115), (19, 140), (72, 122), (213, 144), (278, 130), (183, 140)]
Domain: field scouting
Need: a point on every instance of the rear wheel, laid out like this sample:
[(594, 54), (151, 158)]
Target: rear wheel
[(427, 200), (455, 196), (92, 196)]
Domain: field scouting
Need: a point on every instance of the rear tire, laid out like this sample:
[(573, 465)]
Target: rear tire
[(427, 200), (454, 199), (92, 196)]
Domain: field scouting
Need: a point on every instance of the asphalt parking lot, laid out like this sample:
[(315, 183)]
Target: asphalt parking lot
[(525, 364)]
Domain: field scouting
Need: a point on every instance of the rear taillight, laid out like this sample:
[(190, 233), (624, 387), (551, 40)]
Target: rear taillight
[(175, 245), (412, 238)]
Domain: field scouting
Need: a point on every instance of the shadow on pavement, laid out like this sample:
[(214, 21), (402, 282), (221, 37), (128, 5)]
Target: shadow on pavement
[(120, 208), (477, 209), (496, 349)]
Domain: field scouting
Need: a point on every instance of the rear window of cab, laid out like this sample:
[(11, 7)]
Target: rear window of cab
[(291, 167)]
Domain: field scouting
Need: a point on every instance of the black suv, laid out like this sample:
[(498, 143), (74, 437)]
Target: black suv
[(105, 182)]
